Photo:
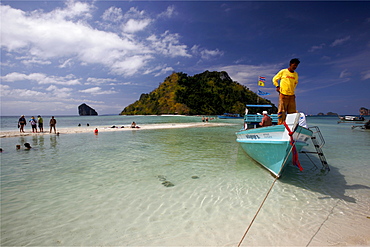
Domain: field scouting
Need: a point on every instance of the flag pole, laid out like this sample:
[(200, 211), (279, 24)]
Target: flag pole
[(258, 88)]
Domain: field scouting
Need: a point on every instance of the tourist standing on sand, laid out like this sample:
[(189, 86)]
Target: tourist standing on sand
[(33, 124), (21, 123), (52, 124), (41, 123), (286, 81)]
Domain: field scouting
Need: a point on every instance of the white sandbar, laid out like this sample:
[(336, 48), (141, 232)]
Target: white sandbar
[(74, 130)]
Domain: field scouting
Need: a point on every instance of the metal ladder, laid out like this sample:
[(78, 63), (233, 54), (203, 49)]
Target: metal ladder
[(318, 142)]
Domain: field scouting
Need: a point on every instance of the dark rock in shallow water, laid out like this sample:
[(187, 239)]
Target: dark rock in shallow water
[(85, 110), (194, 177), (168, 184)]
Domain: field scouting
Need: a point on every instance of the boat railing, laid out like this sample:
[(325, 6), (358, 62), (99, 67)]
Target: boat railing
[(258, 118)]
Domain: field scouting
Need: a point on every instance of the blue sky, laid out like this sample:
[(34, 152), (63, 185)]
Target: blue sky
[(56, 55)]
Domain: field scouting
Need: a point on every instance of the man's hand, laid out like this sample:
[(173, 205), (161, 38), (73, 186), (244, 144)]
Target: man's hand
[(278, 89)]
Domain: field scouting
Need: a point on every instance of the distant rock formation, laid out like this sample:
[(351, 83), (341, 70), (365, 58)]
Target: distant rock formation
[(331, 114), (85, 110), (327, 114)]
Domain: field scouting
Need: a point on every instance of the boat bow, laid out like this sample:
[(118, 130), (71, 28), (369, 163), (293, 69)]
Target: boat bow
[(271, 146)]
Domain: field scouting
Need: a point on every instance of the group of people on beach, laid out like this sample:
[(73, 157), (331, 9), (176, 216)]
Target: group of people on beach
[(133, 125), (40, 121), (205, 119)]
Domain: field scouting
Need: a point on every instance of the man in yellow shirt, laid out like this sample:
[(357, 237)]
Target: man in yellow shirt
[(286, 81)]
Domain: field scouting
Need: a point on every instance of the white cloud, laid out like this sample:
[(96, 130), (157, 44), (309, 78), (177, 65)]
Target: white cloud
[(340, 41), (207, 54), (41, 78), (170, 11), (14, 77), (133, 26), (66, 63), (168, 44), (159, 70), (4, 90), (92, 90), (135, 21), (64, 36), (248, 74), (366, 75), (112, 14), (195, 49), (62, 93), (52, 88), (74, 10), (164, 71), (44, 36), (130, 66), (134, 13), (98, 81), (35, 61), (96, 91), (316, 47), (344, 74), (357, 63), (7, 91)]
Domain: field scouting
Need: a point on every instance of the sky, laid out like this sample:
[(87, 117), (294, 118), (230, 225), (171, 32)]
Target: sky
[(56, 55)]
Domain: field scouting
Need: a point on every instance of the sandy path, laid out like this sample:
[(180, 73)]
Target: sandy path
[(73, 130)]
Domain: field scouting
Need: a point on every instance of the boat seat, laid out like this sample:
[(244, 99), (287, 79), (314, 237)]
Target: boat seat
[(292, 120)]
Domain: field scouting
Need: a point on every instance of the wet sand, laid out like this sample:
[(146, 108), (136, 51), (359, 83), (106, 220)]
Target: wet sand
[(74, 130)]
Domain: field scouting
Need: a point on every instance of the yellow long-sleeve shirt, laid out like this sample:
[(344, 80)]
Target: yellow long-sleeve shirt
[(288, 81)]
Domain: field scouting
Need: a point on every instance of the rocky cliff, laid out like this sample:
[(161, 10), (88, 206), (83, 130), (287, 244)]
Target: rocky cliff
[(85, 110)]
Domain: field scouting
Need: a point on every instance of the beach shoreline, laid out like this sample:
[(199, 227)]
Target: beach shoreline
[(87, 129)]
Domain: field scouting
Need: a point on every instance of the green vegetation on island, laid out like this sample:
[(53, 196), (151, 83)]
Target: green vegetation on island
[(208, 93)]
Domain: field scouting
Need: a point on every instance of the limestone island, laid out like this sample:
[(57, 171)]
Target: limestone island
[(85, 110)]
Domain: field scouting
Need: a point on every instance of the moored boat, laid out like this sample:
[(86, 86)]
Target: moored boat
[(277, 145), (350, 119), (366, 126)]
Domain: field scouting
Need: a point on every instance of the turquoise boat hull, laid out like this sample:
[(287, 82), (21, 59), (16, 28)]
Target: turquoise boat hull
[(270, 146)]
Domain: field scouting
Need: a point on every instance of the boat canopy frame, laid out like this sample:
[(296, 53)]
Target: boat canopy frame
[(253, 120), (259, 105)]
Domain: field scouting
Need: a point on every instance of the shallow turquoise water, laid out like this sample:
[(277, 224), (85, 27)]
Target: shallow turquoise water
[(82, 189)]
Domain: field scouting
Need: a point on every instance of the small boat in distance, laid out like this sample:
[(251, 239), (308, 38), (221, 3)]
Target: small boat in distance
[(350, 119), (275, 146), (230, 116)]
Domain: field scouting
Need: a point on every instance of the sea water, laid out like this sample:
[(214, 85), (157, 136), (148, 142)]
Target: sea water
[(107, 189)]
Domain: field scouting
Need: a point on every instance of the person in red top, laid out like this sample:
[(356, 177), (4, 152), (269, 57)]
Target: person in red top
[(286, 81), (266, 120)]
